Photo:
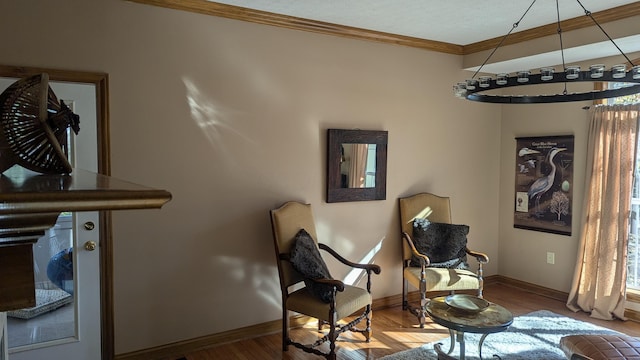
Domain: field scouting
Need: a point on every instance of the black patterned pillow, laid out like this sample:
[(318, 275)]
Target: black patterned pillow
[(305, 258), (444, 244)]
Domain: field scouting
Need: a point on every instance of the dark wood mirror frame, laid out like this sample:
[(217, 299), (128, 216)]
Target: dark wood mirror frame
[(337, 137)]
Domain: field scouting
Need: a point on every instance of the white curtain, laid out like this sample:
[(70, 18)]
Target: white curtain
[(599, 283)]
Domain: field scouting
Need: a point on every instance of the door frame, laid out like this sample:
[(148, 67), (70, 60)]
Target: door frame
[(101, 82)]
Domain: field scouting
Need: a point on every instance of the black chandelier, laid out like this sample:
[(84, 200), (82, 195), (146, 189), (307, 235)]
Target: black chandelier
[(472, 89)]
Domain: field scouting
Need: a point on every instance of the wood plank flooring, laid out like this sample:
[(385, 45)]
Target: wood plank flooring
[(395, 330)]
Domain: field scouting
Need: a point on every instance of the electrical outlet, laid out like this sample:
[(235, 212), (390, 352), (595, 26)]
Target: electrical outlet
[(551, 258)]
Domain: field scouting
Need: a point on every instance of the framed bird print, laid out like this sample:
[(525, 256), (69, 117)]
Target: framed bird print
[(544, 184)]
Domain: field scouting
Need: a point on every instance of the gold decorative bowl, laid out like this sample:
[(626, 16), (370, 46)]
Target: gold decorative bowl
[(466, 303)]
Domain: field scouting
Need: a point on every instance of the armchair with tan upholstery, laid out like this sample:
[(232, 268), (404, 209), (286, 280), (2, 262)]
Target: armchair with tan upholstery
[(421, 272), (293, 224)]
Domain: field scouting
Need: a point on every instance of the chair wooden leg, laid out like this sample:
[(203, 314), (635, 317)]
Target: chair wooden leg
[(367, 333), (332, 338), (285, 328), (422, 316), (405, 295), (419, 311)]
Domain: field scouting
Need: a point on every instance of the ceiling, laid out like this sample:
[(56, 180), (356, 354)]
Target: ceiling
[(459, 22)]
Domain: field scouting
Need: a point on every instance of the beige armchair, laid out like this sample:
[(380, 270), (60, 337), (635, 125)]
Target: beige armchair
[(422, 275), (343, 300)]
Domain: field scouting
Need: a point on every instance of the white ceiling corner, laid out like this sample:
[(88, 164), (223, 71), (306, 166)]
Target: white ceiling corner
[(460, 22)]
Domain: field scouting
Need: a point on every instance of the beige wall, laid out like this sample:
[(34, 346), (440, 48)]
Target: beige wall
[(231, 118)]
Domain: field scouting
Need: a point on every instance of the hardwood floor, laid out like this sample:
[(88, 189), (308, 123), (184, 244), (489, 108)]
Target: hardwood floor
[(395, 330)]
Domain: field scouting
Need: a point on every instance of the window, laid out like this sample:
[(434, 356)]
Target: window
[(633, 248)]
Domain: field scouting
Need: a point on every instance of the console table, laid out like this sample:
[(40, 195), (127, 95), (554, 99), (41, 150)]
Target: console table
[(30, 204)]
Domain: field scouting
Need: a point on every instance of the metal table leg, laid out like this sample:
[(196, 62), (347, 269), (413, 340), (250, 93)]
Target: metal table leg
[(460, 339), (480, 347), (456, 336), (452, 344)]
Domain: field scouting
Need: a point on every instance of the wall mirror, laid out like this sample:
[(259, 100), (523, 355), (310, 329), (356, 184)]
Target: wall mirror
[(356, 165)]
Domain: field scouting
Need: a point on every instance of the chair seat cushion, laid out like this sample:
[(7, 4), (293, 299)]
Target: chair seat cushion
[(601, 347), (347, 302), (443, 279)]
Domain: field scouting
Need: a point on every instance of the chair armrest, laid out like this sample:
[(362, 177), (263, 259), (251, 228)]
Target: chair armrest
[(423, 258), (369, 267), (339, 285), (481, 257)]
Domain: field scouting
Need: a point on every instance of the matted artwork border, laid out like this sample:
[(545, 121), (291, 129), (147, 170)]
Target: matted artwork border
[(544, 184)]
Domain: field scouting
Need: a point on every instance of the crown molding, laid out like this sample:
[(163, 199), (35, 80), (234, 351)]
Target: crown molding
[(296, 23), (613, 14)]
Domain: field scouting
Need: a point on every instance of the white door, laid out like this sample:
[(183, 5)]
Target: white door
[(4, 355), (65, 324)]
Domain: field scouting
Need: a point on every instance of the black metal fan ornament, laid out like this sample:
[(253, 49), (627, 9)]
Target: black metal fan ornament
[(34, 127)]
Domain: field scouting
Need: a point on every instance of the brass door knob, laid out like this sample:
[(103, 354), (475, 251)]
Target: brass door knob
[(90, 245)]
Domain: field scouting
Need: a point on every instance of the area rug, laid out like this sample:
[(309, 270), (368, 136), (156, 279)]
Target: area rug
[(532, 336)]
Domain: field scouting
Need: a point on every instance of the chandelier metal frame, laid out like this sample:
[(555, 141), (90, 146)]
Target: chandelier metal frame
[(473, 89)]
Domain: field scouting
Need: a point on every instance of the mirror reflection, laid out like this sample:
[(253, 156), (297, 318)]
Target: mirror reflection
[(358, 166)]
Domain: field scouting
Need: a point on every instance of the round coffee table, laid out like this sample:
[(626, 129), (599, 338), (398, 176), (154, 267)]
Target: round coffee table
[(494, 318)]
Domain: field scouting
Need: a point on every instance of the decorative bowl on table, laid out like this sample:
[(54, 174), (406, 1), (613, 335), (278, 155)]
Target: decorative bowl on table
[(466, 303)]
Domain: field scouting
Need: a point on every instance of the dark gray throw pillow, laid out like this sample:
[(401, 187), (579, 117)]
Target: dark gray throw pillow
[(305, 258), (443, 243)]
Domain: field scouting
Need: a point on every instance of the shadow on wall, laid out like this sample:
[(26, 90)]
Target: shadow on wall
[(239, 259), (356, 275), (345, 246), (250, 265), (212, 119)]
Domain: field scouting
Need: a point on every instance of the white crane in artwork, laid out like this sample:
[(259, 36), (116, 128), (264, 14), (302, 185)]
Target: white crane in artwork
[(543, 184)]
